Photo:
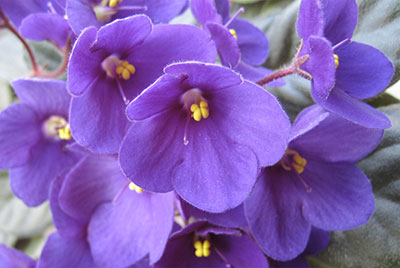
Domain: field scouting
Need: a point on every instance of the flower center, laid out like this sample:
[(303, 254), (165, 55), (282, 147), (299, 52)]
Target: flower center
[(202, 249), (200, 111), (114, 67), (336, 60), (107, 8), (194, 102), (293, 159), (134, 187), (114, 3), (233, 32), (57, 127)]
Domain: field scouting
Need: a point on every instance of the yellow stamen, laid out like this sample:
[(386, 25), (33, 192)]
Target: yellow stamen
[(65, 132), (200, 111), (299, 163), (233, 32), (134, 187), (114, 3), (202, 249), (336, 60), (125, 70)]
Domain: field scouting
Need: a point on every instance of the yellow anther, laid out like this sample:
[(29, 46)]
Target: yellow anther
[(125, 70), (114, 3), (202, 249), (336, 60), (299, 163), (134, 187), (233, 32), (200, 111), (65, 132)]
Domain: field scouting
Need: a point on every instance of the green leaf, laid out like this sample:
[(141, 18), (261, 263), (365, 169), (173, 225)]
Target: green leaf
[(377, 243)]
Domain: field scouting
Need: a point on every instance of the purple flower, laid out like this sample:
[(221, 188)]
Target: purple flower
[(34, 136), (316, 184), (343, 72), (12, 258), (86, 13), (124, 223), (204, 132), (111, 65), (203, 245)]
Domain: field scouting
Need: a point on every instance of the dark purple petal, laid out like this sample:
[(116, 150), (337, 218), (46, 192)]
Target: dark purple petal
[(273, 211), (96, 179), (227, 45), (299, 262), (81, 15), (318, 241), (205, 11), (223, 8), (46, 26), (338, 140), (122, 233), (65, 253), (310, 19), (15, 143), (352, 109), (210, 229), (340, 18), (253, 43), (334, 187), (190, 228), (31, 182), (363, 70), (12, 258), (321, 66)]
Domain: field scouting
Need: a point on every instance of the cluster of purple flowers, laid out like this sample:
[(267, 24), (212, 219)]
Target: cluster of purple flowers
[(163, 148)]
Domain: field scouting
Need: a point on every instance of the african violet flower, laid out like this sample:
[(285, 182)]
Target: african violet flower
[(111, 65), (12, 258), (343, 72), (203, 245), (316, 184), (86, 13), (203, 131), (34, 136), (124, 223)]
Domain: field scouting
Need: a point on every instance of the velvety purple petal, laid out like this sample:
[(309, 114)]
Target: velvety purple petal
[(137, 224), (248, 111), (15, 144), (299, 262), (133, 30), (95, 180), (205, 11), (12, 258), (213, 77), (321, 66), (97, 118), (160, 11), (31, 182), (227, 46), (84, 67), (17, 10), (256, 73), (340, 18), (151, 150), (190, 228), (338, 139), (253, 43), (352, 109), (159, 50), (223, 8), (81, 15), (240, 251), (363, 71), (274, 213), (210, 229), (65, 253), (46, 96), (66, 225), (46, 26), (318, 241), (310, 20), (334, 187)]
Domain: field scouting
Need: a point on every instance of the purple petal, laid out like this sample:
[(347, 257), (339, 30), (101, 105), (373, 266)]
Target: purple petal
[(319, 240), (205, 11), (137, 224), (310, 19), (15, 144), (278, 225), (321, 65), (57, 248), (253, 43), (352, 109), (46, 26), (334, 187), (363, 70), (256, 73), (340, 19), (17, 10), (227, 46), (31, 182), (97, 118), (96, 179), (81, 15), (12, 258), (223, 8), (160, 11), (299, 262), (338, 140)]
